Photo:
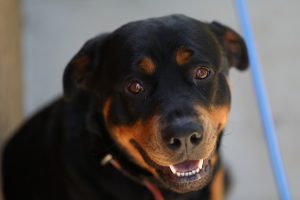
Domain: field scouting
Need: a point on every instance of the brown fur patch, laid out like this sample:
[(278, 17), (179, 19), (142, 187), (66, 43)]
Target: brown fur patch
[(106, 107), (140, 132), (183, 55), (217, 186), (218, 116), (146, 64), (214, 159)]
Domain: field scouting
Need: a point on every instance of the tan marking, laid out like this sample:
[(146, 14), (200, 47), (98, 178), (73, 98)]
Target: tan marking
[(214, 159), (106, 108), (183, 56), (123, 134), (220, 116), (217, 116), (217, 186), (147, 65), (140, 132)]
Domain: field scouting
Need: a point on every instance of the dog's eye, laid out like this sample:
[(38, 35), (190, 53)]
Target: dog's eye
[(202, 73), (135, 87)]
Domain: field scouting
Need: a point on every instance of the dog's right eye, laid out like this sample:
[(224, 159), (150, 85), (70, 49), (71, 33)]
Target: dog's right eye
[(202, 73), (135, 87)]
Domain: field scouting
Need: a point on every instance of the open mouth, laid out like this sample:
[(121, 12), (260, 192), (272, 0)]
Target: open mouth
[(186, 176), (187, 168), (186, 172)]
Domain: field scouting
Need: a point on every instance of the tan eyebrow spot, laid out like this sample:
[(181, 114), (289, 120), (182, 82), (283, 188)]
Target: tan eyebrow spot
[(146, 64), (183, 55)]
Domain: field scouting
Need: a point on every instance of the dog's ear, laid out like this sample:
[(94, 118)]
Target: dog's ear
[(233, 44), (78, 73)]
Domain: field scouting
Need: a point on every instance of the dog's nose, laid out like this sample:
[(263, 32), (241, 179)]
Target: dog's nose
[(183, 135)]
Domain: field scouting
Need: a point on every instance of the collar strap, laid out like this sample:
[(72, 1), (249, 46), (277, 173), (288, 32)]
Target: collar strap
[(108, 159)]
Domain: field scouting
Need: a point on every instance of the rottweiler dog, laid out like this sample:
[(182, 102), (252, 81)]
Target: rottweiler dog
[(142, 117)]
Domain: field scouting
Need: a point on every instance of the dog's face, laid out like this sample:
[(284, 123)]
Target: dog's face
[(164, 93)]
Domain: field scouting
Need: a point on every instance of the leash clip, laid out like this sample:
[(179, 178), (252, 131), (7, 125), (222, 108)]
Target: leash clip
[(107, 159)]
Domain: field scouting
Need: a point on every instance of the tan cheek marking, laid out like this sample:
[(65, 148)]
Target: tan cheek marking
[(147, 65), (217, 187), (183, 56), (218, 116), (123, 134)]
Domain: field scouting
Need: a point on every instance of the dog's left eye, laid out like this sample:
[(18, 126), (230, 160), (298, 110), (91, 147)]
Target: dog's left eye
[(202, 73), (135, 87)]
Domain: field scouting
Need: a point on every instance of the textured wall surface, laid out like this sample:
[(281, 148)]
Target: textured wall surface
[(55, 30)]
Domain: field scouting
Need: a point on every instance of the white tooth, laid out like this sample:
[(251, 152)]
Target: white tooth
[(172, 168), (194, 171), (197, 170), (200, 164), (190, 173), (178, 174), (182, 174), (186, 174)]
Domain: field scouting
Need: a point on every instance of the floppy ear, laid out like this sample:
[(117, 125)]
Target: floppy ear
[(78, 73), (233, 44)]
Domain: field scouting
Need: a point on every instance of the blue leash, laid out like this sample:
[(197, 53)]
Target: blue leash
[(265, 110)]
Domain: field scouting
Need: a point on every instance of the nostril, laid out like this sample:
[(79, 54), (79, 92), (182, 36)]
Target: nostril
[(174, 143), (196, 138)]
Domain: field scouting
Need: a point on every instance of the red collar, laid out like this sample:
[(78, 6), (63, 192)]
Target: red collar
[(152, 188)]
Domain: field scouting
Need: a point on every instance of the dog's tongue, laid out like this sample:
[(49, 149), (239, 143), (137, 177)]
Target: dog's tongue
[(187, 166)]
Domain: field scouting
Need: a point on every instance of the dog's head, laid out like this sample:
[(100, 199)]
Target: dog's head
[(164, 92)]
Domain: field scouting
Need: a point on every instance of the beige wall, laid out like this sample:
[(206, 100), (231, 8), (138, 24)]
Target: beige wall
[(10, 69)]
